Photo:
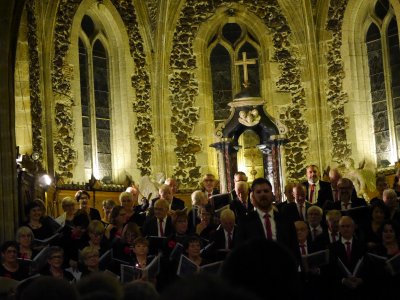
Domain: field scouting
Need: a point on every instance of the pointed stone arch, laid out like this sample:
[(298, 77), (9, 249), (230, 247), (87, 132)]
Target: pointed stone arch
[(183, 80)]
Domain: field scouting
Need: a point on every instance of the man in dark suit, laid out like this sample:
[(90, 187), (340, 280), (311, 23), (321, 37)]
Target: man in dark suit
[(165, 192), (177, 203), (237, 177), (158, 227), (160, 224), (334, 176), (288, 192), (346, 254), (318, 191), (241, 204), (297, 210), (266, 221), (332, 234), (225, 237), (349, 204), (208, 185)]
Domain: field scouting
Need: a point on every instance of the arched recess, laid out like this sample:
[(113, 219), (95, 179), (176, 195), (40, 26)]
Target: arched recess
[(358, 18), (201, 49), (109, 29), (287, 78)]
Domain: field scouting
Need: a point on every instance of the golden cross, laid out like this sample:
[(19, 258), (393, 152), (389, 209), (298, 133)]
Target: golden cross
[(244, 63)]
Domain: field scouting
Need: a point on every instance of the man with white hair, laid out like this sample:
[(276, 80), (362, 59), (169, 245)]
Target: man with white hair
[(166, 191), (225, 238), (390, 199), (241, 205), (345, 256)]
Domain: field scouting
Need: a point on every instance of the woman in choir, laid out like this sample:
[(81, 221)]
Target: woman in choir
[(390, 239), (180, 233), (97, 240), (141, 250), (68, 206), (205, 228), (24, 238), (55, 260), (118, 219), (372, 231), (107, 208), (37, 222), (75, 238), (10, 267), (127, 200), (192, 247), (123, 248), (90, 258), (384, 277), (180, 225), (83, 197)]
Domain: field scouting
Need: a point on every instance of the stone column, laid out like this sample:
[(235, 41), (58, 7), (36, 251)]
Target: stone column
[(277, 150), (11, 12), (276, 171), (227, 164)]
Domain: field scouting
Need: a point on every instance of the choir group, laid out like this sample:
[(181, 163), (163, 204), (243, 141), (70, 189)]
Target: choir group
[(322, 236)]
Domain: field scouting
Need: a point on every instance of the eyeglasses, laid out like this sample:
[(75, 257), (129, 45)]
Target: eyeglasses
[(56, 256)]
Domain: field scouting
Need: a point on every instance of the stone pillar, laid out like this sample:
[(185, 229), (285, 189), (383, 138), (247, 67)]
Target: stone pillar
[(276, 171), (277, 150), (11, 12), (227, 164)]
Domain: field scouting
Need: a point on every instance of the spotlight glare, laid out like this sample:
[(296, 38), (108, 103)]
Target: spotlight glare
[(46, 179)]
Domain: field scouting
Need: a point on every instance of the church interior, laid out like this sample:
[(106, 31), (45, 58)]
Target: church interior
[(97, 94)]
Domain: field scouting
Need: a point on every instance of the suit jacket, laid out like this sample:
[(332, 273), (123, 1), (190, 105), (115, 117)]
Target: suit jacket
[(338, 251), (324, 193), (218, 237), (291, 213), (240, 210), (150, 227), (323, 241), (251, 228), (218, 251)]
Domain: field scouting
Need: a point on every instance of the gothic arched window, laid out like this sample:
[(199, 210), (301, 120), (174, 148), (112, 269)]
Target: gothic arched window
[(227, 47), (382, 43), (95, 102)]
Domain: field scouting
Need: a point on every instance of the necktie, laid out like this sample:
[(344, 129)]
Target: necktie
[(301, 213), (312, 193), (348, 250), (346, 205), (161, 227), (303, 249), (230, 240), (336, 195), (333, 237), (209, 195), (268, 226)]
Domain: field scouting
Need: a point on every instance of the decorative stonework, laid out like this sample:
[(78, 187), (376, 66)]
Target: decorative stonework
[(184, 87), (61, 84), (34, 81), (336, 97), (141, 85), (152, 6), (292, 116)]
